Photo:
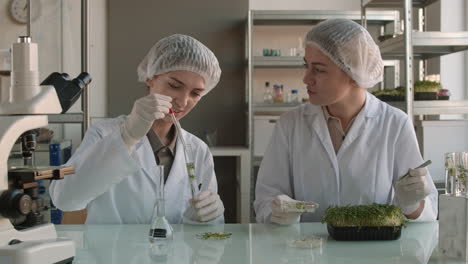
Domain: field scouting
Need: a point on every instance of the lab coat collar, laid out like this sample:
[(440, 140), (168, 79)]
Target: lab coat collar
[(371, 108), (316, 121), (178, 171)]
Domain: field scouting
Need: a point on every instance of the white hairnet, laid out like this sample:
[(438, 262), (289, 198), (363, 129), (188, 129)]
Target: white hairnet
[(180, 53), (351, 48)]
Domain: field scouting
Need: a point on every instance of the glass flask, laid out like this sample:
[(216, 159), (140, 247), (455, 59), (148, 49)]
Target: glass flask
[(455, 173), (161, 233)]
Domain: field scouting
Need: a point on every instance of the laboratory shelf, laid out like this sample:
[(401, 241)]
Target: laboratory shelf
[(426, 44), (66, 118), (274, 108), (391, 63), (278, 62), (395, 3), (305, 17), (439, 107), (229, 151), (294, 62)]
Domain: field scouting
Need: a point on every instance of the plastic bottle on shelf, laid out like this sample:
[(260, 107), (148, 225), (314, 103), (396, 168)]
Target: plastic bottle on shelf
[(267, 95), (278, 93), (300, 48), (294, 96)]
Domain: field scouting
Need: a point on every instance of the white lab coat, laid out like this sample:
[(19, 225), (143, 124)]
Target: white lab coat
[(118, 188), (300, 161)]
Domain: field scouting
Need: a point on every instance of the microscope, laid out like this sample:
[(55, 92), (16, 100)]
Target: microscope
[(24, 106)]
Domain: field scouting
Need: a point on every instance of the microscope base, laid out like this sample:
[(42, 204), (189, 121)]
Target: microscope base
[(39, 252), (39, 245)]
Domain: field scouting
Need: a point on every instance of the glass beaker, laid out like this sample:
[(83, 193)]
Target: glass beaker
[(463, 173), (455, 179), (161, 232)]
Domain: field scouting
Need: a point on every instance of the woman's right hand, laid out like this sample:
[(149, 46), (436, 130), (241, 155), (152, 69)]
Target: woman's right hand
[(144, 112), (279, 216)]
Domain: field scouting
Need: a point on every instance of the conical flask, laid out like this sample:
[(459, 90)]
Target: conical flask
[(161, 231)]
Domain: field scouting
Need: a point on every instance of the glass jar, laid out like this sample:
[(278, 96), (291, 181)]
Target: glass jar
[(278, 93), (294, 96), (267, 94)]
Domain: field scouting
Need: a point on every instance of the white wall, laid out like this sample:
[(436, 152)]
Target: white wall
[(452, 67)]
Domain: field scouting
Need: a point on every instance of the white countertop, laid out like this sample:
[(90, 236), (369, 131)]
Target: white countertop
[(249, 243)]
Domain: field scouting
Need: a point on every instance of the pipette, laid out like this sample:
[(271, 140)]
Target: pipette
[(189, 164)]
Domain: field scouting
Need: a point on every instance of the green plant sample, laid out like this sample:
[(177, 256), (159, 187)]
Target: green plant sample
[(364, 215)]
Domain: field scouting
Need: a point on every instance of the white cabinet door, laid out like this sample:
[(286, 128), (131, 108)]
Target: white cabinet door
[(263, 129)]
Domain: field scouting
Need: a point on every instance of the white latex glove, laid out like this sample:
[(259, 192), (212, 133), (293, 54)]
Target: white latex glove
[(411, 189), (279, 216), (145, 111), (208, 206)]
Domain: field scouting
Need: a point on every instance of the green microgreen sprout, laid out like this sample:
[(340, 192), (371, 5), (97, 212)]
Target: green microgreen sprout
[(191, 171), (214, 236), (364, 215)]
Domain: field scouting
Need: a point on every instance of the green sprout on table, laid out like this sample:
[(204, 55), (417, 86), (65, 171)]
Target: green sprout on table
[(364, 216), (214, 236)]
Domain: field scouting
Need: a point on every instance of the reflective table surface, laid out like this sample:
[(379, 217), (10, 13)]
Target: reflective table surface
[(249, 243)]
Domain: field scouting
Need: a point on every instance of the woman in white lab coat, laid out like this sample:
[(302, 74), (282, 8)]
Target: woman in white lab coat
[(116, 175), (345, 146)]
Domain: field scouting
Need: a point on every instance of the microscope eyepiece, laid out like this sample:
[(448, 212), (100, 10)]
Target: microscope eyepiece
[(68, 91)]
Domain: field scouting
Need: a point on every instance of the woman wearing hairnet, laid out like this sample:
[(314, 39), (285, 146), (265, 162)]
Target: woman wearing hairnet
[(116, 175), (345, 146)]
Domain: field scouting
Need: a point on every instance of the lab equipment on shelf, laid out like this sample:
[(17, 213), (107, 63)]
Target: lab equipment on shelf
[(278, 93), (267, 94), (271, 52), (293, 97)]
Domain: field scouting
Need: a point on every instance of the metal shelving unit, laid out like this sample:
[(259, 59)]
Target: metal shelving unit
[(426, 44), (419, 45), (439, 107), (395, 3), (312, 17)]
